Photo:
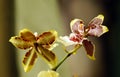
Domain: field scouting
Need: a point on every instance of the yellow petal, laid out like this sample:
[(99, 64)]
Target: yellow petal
[(48, 56), (29, 60), (27, 35), (47, 38), (48, 73), (100, 16), (105, 29), (20, 43)]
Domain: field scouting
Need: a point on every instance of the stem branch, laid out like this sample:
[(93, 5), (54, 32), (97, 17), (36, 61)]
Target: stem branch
[(55, 68), (68, 55)]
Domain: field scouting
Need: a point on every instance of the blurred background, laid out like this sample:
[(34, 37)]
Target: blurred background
[(44, 15)]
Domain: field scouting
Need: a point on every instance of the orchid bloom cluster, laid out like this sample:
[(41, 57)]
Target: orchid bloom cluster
[(41, 45)]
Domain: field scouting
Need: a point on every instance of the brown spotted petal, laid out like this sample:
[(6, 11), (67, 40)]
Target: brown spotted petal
[(29, 60), (90, 49), (47, 38), (27, 35), (20, 43), (47, 55)]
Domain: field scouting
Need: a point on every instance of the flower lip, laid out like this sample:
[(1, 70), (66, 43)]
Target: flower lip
[(66, 41), (76, 38)]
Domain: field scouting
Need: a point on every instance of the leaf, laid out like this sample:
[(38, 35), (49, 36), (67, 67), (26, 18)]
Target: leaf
[(47, 38), (29, 60), (20, 43), (48, 56), (90, 49)]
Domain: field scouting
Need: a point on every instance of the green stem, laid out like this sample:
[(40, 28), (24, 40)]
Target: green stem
[(55, 68), (68, 55)]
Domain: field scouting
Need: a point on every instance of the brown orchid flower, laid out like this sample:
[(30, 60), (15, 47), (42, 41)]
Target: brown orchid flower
[(37, 45)]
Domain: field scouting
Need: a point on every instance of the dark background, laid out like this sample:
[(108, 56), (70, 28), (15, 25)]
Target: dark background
[(110, 41)]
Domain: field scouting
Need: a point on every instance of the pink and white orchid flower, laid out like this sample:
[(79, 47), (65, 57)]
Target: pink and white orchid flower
[(80, 32)]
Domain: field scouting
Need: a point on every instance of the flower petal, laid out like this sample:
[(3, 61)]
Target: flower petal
[(97, 31), (20, 43), (95, 27), (29, 60), (27, 35), (47, 55), (76, 38), (77, 26), (97, 21), (47, 38), (90, 49), (48, 73), (66, 41)]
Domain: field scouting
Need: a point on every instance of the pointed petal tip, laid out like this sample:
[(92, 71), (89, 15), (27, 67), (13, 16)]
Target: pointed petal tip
[(13, 40), (26, 69), (10, 40), (105, 29), (100, 16), (91, 57)]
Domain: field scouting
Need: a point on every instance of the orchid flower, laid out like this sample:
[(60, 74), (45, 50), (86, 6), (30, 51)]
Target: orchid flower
[(80, 34), (37, 45)]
